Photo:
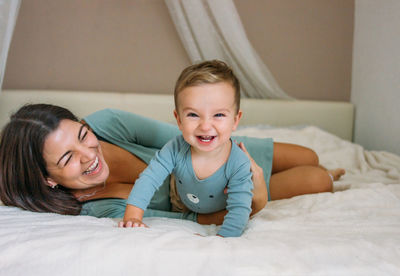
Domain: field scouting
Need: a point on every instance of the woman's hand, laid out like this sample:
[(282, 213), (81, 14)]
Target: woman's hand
[(260, 192)]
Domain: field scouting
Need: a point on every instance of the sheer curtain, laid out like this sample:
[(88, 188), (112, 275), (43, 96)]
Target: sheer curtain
[(211, 29), (8, 17)]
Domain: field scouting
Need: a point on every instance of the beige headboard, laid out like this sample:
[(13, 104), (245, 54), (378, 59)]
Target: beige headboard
[(335, 117)]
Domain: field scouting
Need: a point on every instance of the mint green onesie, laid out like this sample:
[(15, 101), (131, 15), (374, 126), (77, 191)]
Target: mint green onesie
[(143, 137)]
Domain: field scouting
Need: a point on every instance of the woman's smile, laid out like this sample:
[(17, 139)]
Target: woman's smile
[(74, 157), (94, 168)]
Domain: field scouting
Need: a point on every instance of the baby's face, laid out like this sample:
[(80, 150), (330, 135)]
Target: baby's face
[(207, 115)]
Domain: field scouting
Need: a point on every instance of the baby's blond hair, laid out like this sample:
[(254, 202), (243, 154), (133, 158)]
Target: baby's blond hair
[(207, 72)]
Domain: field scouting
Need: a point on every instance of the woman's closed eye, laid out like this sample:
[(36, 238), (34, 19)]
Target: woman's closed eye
[(84, 136), (66, 157), (83, 132)]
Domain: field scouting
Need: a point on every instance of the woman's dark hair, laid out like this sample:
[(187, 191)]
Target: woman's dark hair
[(22, 166)]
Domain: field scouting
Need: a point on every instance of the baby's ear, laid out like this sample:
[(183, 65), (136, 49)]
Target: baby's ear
[(178, 120), (238, 116), (51, 182)]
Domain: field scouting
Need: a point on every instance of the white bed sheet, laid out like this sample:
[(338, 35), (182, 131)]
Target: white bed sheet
[(353, 231)]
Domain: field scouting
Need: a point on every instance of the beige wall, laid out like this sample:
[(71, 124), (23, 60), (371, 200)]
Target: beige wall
[(376, 71), (306, 44), (132, 45)]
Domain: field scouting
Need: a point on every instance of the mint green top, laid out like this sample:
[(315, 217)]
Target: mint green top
[(143, 137), (200, 195)]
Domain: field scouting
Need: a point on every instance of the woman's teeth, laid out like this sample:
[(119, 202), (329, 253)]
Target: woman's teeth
[(93, 166)]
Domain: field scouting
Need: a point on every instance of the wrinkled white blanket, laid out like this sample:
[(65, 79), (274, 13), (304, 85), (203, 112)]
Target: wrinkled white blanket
[(353, 231)]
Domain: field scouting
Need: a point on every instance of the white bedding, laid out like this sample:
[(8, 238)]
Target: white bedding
[(353, 231)]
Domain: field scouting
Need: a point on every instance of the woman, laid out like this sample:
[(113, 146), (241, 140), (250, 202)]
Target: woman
[(51, 162)]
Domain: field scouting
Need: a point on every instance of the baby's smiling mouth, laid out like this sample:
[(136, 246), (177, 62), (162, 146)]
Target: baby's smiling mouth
[(92, 167), (206, 138)]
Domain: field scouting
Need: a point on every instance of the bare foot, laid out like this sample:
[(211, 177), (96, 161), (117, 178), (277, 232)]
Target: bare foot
[(337, 173)]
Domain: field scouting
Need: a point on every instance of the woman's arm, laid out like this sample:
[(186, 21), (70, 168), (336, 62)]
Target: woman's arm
[(115, 208), (213, 218), (114, 124)]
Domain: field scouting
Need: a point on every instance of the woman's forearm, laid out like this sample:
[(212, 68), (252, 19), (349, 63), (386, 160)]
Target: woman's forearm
[(213, 218)]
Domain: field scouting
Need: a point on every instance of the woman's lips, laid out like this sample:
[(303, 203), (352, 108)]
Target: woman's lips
[(94, 168)]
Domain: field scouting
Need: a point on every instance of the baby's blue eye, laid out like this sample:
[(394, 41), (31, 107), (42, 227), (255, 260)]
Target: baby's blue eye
[(219, 115), (192, 115)]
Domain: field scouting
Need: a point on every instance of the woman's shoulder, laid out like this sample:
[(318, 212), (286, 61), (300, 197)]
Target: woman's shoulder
[(110, 114)]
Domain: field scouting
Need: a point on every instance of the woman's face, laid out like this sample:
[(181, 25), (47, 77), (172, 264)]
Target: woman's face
[(73, 157)]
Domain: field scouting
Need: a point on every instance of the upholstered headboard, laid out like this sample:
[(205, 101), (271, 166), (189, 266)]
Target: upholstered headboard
[(335, 117)]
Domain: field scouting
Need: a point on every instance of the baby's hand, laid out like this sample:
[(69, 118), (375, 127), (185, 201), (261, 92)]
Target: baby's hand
[(133, 217), (133, 222)]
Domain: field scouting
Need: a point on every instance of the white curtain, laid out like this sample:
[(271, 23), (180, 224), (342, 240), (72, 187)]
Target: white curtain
[(8, 17), (211, 29)]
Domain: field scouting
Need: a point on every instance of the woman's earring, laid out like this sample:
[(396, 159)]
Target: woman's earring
[(51, 183)]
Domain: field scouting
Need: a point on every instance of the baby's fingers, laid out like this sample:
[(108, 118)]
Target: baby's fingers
[(131, 224), (139, 224), (127, 224)]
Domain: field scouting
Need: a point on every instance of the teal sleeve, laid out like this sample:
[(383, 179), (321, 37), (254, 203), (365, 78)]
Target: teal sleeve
[(153, 176), (140, 130), (140, 136), (238, 203), (175, 215), (133, 132), (115, 208)]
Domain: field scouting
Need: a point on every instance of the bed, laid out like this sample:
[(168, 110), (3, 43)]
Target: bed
[(353, 231)]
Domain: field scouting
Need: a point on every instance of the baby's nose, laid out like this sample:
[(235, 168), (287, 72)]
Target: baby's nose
[(205, 124)]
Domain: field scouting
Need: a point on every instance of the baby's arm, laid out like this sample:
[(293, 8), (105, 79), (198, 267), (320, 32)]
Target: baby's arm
[(149, 181), (238, 202), (133, 217)]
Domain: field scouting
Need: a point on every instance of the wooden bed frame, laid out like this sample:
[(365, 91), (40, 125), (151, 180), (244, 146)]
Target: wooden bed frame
[(334, 117)]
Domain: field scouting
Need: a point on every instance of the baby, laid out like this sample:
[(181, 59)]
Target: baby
[(212, 173)]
